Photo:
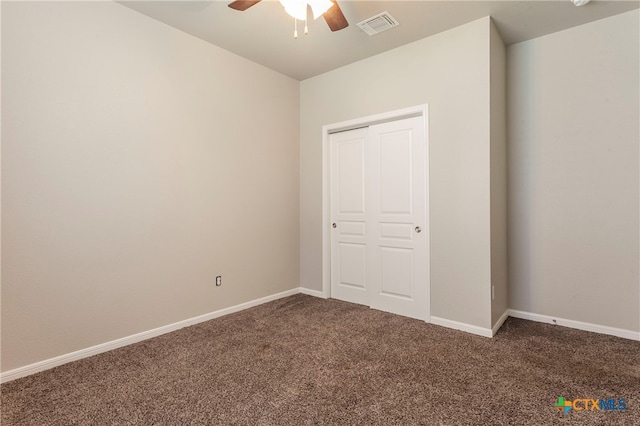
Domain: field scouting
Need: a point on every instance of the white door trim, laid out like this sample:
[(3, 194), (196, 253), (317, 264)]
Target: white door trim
[(416, 111)]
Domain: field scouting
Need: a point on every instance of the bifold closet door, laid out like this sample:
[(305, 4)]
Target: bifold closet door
[(379, 233)]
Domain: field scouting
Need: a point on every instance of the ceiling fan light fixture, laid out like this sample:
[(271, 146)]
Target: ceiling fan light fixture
[(319, 7), (298, 8), (580, 2), (295, 8)]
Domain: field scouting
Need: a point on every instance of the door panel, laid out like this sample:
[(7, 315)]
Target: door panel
[(352, 265), (396, 231), (350, 175), (397, 270), (396, 210), (395, 168), (348, 212)]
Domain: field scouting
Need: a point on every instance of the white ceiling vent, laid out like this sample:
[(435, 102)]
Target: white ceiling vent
[(379, 23)]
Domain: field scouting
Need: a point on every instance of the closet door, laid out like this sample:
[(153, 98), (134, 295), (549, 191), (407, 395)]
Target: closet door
[(379, 245), (349, 216), (397, 243)]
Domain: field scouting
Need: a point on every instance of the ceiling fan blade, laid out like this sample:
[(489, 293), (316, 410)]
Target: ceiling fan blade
[(335, 18), (242, 5)]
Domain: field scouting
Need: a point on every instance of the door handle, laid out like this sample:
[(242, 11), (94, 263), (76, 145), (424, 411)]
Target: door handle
[(333, 225), (418, 229)]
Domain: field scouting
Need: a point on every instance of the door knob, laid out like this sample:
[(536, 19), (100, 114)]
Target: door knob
[(418, 229), (333, 225)]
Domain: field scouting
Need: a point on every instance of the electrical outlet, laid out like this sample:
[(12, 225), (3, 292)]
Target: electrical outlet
[(218, 280)]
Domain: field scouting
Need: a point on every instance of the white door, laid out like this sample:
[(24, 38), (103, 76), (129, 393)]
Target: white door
[(379, 245), (349, 216)]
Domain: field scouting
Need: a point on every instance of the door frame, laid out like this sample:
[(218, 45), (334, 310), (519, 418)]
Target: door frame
[(415, 111)]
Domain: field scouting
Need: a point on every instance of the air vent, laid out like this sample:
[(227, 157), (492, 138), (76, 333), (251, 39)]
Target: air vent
[(379, 23)]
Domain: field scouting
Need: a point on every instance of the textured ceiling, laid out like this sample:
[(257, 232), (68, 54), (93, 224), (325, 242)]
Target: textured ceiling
[(264, 32)]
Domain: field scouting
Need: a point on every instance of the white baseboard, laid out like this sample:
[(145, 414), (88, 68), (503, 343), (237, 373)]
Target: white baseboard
[(118, 343), (585, 326), (499, 323), (314, 293), (473, 329)]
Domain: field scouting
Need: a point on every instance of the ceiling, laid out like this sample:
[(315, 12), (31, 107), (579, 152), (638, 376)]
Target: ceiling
[(264, 32)]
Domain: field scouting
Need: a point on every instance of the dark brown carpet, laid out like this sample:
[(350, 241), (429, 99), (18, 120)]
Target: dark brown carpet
[(303, 360)]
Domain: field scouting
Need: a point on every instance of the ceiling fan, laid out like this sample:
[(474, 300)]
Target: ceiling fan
[(333, 16)]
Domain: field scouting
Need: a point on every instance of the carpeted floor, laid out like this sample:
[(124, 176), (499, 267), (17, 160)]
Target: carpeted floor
[(303, 360)]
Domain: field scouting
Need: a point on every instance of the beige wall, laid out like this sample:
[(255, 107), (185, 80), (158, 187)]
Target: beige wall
[(137, 164), (450, 72), (574, 173), (499, 304)]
